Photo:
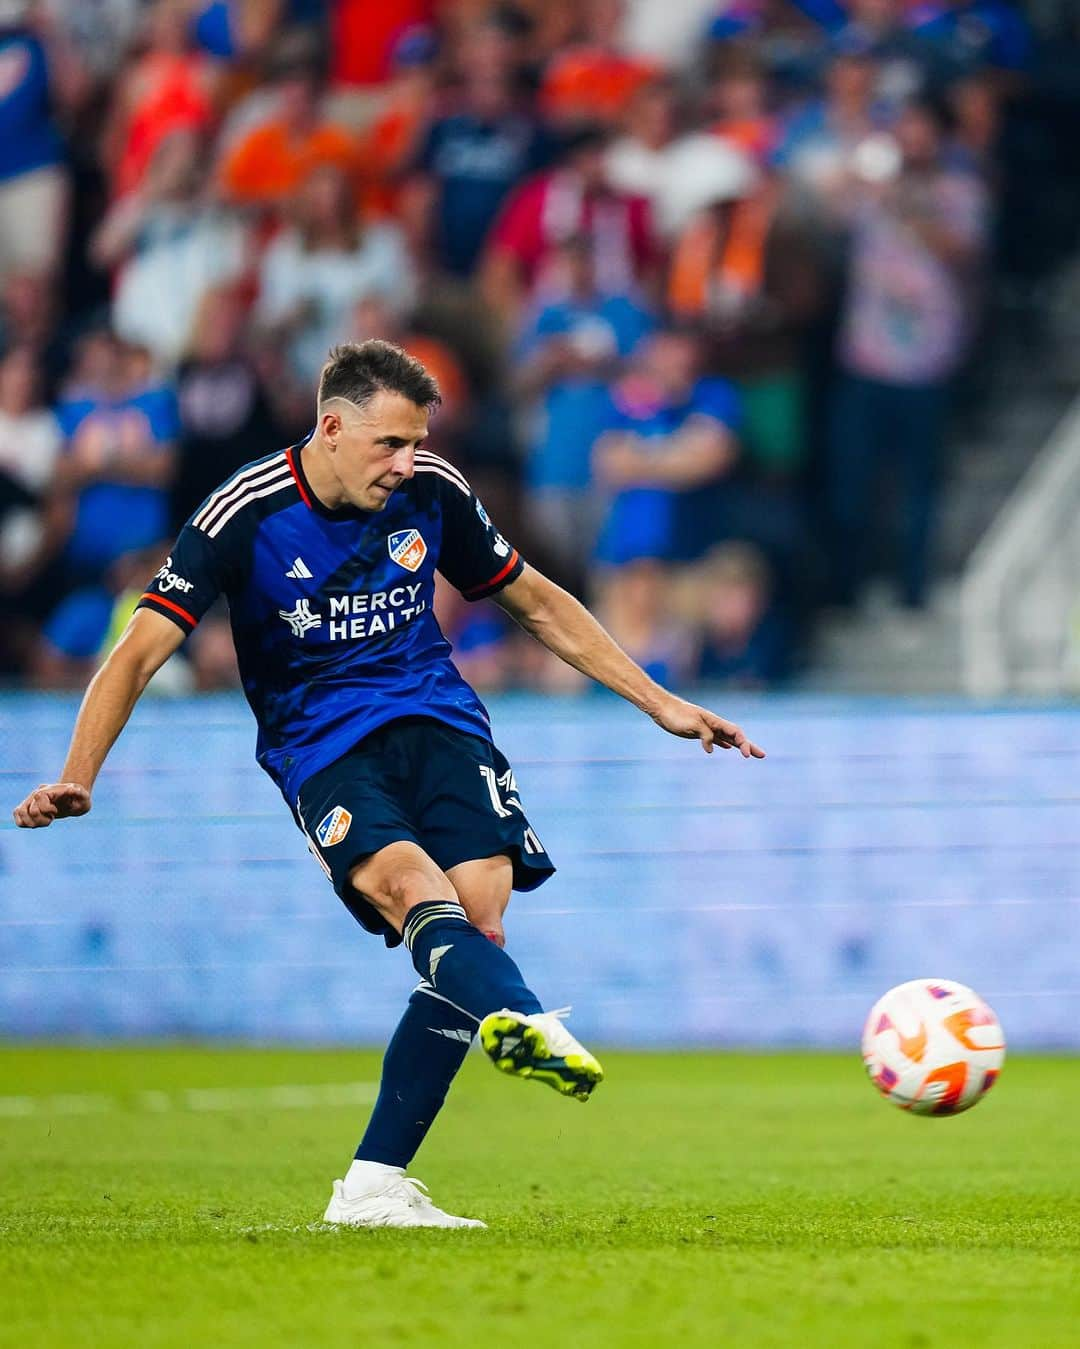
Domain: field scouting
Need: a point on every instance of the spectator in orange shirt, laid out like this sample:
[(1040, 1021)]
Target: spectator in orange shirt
[(594, 81), (170, 88), (268, 164), (718, 264), (389, 145), (746, 275)]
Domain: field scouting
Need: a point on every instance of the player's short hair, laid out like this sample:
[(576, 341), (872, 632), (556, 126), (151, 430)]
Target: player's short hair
[(357, 371)]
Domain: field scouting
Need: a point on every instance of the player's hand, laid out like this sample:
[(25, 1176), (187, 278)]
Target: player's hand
[(51, 801), (698, 723)]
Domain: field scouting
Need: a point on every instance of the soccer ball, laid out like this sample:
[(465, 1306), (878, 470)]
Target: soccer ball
[(933, 1047)]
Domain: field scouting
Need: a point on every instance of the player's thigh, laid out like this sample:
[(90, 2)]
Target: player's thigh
[(357, 814), (397, 878), (483, 885)]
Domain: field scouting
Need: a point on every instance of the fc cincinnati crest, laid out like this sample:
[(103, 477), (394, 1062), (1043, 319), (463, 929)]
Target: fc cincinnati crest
[(333, 827), (407, 548)]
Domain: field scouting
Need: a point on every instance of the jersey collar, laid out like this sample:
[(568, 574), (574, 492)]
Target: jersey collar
[(307, 494)]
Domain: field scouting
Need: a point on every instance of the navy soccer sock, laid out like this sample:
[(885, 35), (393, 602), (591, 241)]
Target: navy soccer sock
[(463, 965), (427, 1049)]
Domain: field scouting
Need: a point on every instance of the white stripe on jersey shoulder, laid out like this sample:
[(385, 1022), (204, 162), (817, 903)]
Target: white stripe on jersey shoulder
[(240, 476), (430, 457), (278, 485), (427, 458), (451, 478), (430, 468), (231, 492), (228, 492), (227, 506)]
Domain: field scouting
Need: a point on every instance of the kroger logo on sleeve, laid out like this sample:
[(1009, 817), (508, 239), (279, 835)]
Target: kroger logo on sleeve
[(167, 579)]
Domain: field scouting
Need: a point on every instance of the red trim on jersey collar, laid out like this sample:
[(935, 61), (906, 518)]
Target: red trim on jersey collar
[(473, 590), (170, 604), (295, 468)]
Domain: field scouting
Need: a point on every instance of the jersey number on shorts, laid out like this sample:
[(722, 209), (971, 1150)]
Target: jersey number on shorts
[(502, 789)]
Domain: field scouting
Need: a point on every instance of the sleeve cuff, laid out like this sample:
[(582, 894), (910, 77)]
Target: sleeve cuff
[(168, 609), (512, 569)]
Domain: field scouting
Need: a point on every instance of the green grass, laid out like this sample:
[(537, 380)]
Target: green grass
[(697, 1200)]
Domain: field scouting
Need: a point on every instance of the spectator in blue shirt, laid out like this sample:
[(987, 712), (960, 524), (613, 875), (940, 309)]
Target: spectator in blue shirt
[(234, 30), (975, 34), (85, 624), (739, 20), (118, 461), (33, 180), (569, 352), (906, 63), (473, 157), (743, 637), (671, 442), (822, 138), (671, 434), (72, 637)]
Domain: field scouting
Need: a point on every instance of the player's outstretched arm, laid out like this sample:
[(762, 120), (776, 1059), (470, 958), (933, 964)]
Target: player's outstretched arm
[(566, 627), (148, 642)]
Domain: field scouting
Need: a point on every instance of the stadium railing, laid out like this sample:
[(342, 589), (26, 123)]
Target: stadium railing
[(1020, 594)]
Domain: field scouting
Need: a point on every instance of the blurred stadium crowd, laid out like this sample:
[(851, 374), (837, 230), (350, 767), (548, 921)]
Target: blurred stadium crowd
[(690, 274)]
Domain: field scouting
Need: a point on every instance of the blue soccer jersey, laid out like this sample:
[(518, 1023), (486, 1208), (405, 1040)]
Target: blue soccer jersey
[(332, 610)]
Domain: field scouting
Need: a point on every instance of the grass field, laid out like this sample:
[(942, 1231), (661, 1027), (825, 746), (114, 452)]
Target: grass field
[(697, 1200)]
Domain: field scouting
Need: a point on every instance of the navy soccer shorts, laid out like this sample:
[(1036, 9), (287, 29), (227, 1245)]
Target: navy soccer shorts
[(418, 780)]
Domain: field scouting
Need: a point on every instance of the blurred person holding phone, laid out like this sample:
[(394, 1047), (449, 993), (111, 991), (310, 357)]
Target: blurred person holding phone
[(919, 236)]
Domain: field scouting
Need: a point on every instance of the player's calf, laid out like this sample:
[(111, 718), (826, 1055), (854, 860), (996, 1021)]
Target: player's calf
[(461, 963)]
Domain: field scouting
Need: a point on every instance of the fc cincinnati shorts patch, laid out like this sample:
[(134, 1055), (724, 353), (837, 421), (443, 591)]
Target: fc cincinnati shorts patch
[(418, 780)]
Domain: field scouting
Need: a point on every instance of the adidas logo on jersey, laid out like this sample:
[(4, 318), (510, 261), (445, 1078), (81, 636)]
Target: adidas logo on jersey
[(299, 571)]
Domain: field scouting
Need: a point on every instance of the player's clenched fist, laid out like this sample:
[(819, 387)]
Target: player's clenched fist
[(51, 801)]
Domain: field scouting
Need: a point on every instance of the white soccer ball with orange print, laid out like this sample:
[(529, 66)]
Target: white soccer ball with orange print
[(933, 1047)]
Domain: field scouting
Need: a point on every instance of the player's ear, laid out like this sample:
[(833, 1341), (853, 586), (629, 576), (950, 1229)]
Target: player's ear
[(330, 426)]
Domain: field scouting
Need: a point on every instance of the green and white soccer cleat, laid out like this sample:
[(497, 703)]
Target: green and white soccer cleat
[(538, 1045)]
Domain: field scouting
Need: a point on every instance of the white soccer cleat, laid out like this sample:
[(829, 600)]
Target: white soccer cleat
[(538, 1045), (396, 1201)]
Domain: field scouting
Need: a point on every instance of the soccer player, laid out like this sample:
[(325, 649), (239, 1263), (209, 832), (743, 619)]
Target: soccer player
[(327, 552)]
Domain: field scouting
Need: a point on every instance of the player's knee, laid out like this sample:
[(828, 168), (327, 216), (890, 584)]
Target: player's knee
[(484, 887), (403, 890), (413, 885), (491, 926), (398, 878)]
